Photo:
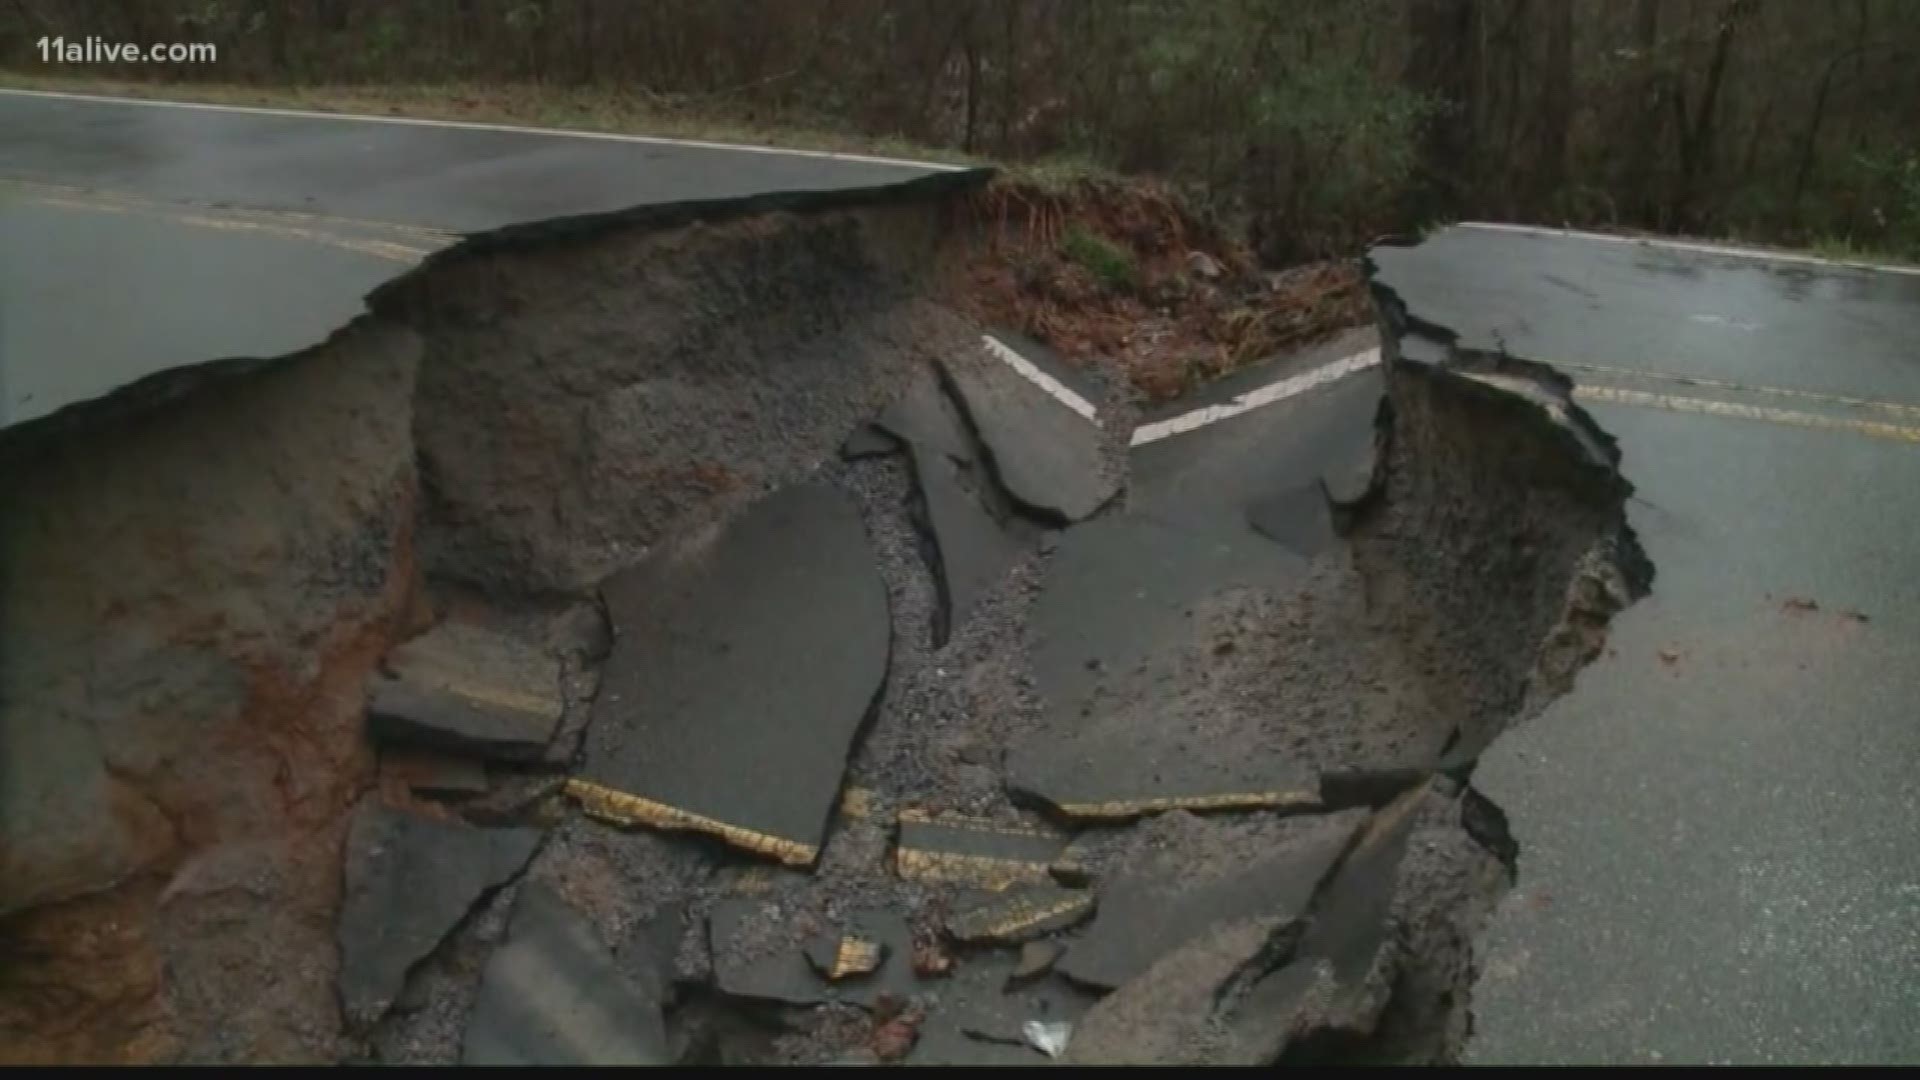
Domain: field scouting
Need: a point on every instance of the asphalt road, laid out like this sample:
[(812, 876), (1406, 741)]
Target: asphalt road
[(138, 236), (1718, 856)]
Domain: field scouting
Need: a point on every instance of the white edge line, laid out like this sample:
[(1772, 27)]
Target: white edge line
[(1256, 398), (1058, 390), (474, 125), (1688, 245)]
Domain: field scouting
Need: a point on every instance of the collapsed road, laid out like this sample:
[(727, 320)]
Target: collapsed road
[(676, 634), (192, 233), (1718, 859)]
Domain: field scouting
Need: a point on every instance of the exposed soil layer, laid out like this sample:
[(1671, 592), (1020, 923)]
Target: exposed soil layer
[(1121, 274), (198, 582)]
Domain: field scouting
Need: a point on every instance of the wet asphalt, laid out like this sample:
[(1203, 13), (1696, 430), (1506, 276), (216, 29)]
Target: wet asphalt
[(136, 237), (1718, 858)]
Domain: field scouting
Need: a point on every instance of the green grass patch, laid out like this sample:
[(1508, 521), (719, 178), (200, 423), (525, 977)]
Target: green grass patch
[(1109, 263)]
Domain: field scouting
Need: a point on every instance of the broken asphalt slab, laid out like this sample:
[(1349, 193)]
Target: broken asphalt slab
[(1168, 1014), (960, 849), (978, 1020), (1119, 640), (1337, 981), (1018, 914), (467, 690), (1186, 875), (924, 416), (977, 549), (409, 880), (755, 958), (1049, 458), (1299, 519), (1242, 991), (552, 995), (975, 536), (743, 669), (868, 441)]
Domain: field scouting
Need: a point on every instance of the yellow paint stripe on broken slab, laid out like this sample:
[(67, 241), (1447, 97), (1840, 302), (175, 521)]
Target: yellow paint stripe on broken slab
[(946, 820), (1027, 915), (620, 808), (510, 700), (858, 802), (986, 871), (1124, 809)]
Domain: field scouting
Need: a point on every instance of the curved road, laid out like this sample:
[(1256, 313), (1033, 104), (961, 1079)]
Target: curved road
[(1718, 859), (1718, 855), (136, 236)]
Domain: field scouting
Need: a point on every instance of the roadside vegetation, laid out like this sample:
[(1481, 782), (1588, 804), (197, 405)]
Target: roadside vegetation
[(1315, 125), (1188, 182)]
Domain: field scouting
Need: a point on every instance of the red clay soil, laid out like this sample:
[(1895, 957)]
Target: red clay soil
[(1120, 273)]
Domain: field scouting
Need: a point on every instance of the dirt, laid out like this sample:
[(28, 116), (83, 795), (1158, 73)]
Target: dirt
[(530, 413), (1122, 276), (195, 682)]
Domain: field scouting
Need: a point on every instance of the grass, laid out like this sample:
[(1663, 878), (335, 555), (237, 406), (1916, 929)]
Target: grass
[(1846, 249), (1109, 264)]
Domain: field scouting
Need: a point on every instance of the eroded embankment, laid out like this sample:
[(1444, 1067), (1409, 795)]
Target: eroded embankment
[(213, 851), (198, 574)]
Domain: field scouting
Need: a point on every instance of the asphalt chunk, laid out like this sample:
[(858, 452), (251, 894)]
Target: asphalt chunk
[(753, 961), (868, 441), (1341, 975), (1019, 913), (551, 994), (1299, 519), (1283, 1006), (1036, 959), (965, 850), (1355, 480), (467, 690), (1075, 780), (1215, 873), (1359, 785), (1350, 918), (844, 956), (977, 547), (404, 713), (1048, 457), (1124, 660), (925, 417), (743, 669), (1167, 1015), (409, 880), (977, 1019)]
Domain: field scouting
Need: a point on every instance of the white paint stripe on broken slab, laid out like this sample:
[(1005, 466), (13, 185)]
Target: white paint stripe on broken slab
[(1257, 398), (1055, 389), (1690, 245)]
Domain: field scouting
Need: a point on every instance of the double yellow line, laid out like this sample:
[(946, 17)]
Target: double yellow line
[(311, 228), (1618, 395)]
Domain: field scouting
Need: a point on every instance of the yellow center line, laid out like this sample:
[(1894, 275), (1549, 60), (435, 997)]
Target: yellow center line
[(101, 198), (1748, 388), (277, 223), (1702, 406)]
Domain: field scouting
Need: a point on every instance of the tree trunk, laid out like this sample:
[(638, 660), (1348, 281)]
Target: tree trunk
[(1556, 108), (1644, 105), (1442, 65), (1696, 146)]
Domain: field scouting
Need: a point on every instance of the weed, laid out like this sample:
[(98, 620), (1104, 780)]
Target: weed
[(1109, 264)]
